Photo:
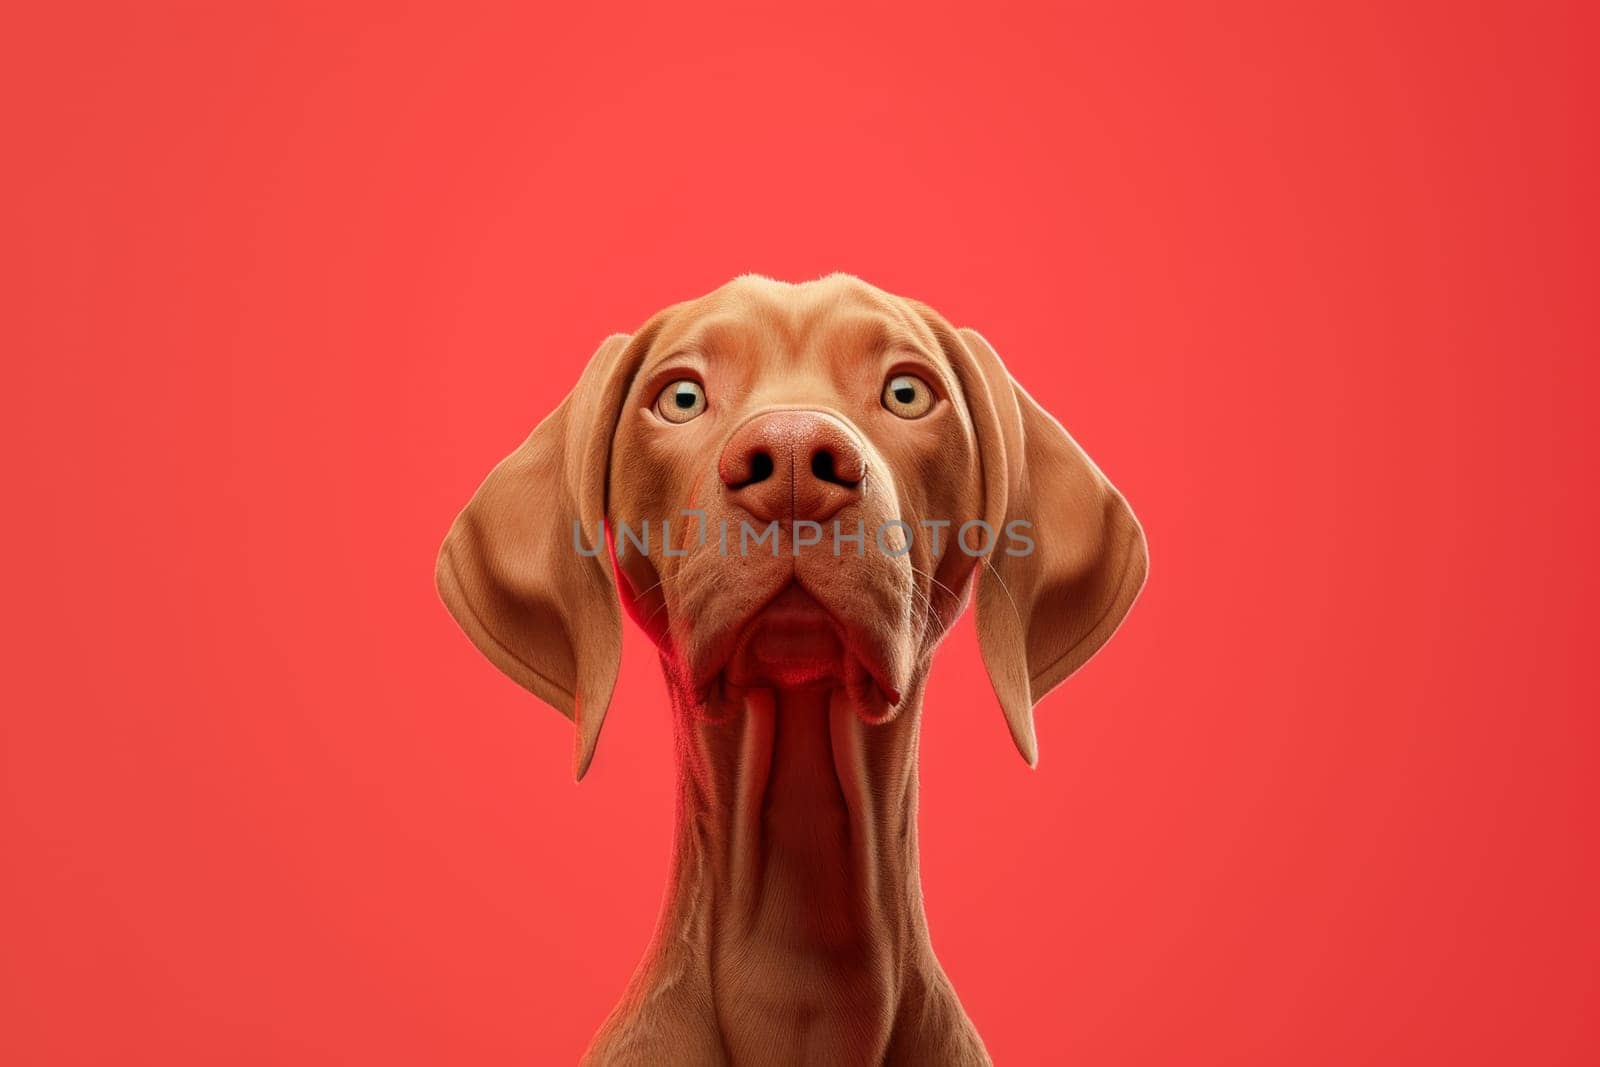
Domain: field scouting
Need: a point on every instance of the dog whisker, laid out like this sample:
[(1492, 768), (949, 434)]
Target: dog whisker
[(927, 601), (1015, 610)]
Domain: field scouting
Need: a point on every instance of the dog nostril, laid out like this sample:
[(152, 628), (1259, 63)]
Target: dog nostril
[(761, 469), (822, 466)]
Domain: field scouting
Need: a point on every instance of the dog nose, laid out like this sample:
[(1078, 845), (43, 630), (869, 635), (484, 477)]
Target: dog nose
[(800, 465)]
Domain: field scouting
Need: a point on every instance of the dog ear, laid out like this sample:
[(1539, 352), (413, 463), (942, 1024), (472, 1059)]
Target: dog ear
[(1043, 612), (511, 570)]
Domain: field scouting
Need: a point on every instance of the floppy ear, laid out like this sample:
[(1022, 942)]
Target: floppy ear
[(510, 570), (1042, 614)]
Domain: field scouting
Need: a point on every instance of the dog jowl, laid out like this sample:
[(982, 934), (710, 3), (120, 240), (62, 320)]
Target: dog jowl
[(747, 429)]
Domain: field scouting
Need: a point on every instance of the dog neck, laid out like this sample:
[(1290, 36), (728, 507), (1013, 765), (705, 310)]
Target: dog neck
[(804, 821), (793, 921)]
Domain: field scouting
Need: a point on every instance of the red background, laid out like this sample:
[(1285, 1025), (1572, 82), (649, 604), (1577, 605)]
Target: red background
[(1316, 288)]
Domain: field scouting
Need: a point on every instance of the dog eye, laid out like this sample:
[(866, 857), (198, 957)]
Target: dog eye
[(681, 401), (907, 396)]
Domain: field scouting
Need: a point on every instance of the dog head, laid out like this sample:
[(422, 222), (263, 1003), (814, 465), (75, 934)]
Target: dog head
[(792, 486)]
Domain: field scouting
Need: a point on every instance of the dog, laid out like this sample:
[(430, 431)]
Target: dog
[(792, 454)]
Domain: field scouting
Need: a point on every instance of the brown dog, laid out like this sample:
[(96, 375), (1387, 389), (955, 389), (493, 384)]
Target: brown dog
[(822, 468)]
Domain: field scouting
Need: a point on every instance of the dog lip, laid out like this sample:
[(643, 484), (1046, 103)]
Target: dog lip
[(810, 606), (790, 615), (856, 647), (793, 605)]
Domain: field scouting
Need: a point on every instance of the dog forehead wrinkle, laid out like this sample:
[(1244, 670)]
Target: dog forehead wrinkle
[(849, 303), (742, 338), (764, 326), (704, 334), (804, 387)]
